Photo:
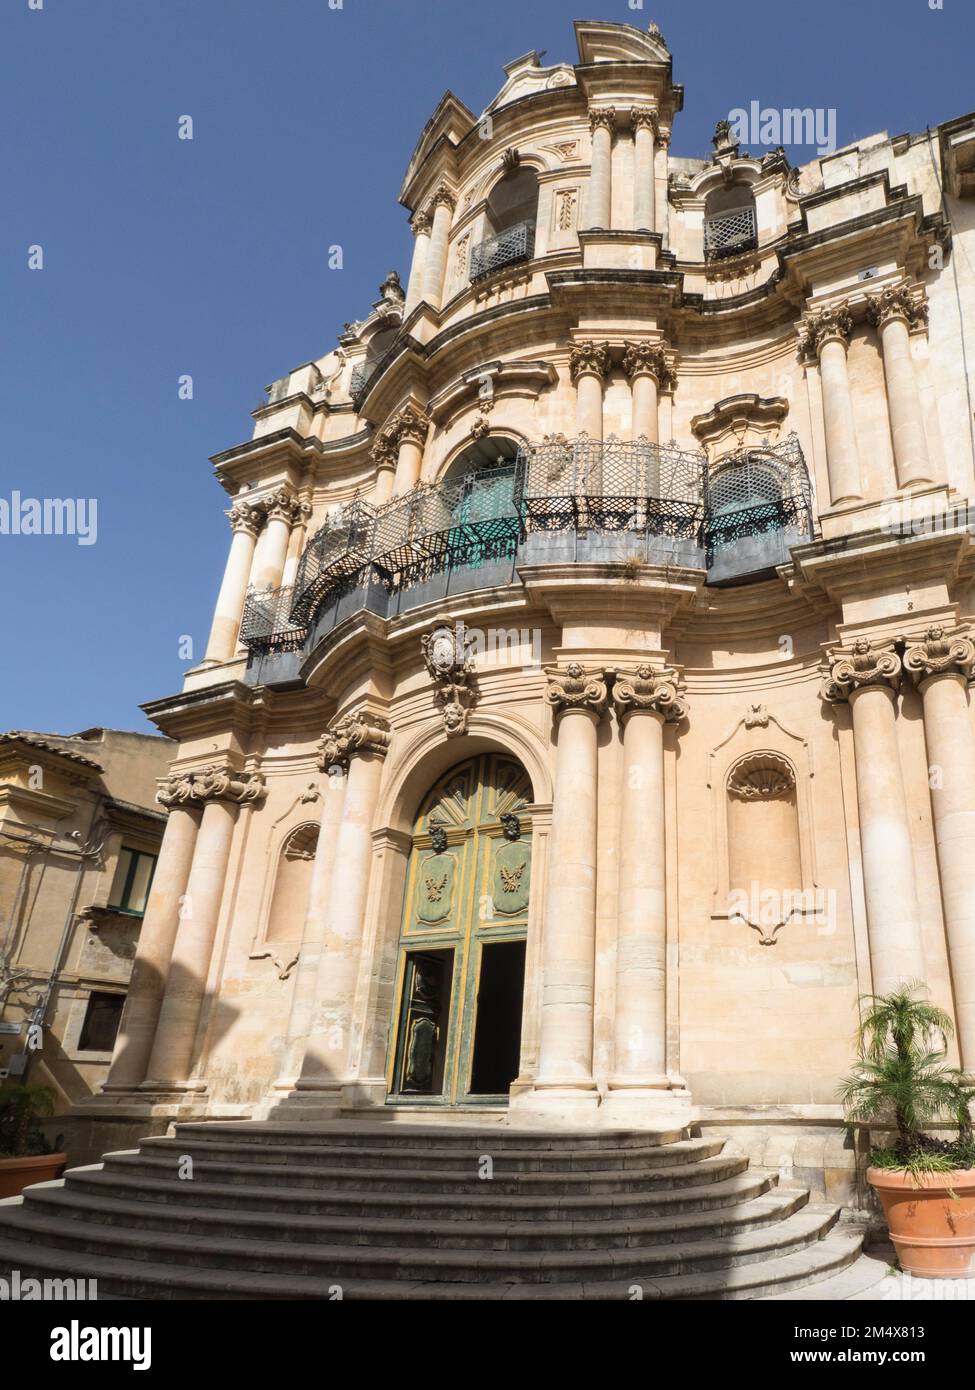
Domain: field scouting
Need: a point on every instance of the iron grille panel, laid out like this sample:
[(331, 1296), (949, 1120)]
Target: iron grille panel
[(730, 233), (509, 247)]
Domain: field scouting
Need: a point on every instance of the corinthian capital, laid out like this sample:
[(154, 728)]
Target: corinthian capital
[(215, 782), (361, 732), (649, 688), (589, 358), (644, 116), (408, 423), (444, 196), (898, 302), (421, 222), (573, 687), (833, 322), (940, 653), (602, 116), (648, 359), (282, 505), (244, 516), (864, 663)]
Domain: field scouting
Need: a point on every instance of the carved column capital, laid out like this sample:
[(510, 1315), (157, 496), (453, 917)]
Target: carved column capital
[(589, 358), (361, 732), (654, 689), (648, 359), (865, 663), (940, 653), (898, 302), (421, 222), (573, 687), (408, 423), (214, 782), (602, 116), (244, 516), (832, 323), (644, 117), (281, 505), (443, 197)]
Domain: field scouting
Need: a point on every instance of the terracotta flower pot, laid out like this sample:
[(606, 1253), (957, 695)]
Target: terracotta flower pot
[(18, 1173), (933, 1232)]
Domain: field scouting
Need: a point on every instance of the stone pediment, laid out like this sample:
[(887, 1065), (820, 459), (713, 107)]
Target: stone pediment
[(526, 77), (739, 422), (619, 43)]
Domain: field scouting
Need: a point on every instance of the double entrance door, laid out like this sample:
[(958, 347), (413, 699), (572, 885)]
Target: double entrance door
[(455, 1034)]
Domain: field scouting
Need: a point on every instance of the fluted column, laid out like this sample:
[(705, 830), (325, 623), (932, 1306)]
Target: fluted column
[(868, 676), (157, 934), (894, 312), (333, 760), (644, 122), (245, 521), (435, 268), (422, 224), (589, 365), (578, 699), (220, 791), (365, 738), (645, 700), (826, 334), (408, 429), (602, 121), (942, 665), (282, 510)]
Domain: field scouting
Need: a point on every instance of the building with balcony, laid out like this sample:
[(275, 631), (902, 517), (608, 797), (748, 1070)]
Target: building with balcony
[(585, 722)]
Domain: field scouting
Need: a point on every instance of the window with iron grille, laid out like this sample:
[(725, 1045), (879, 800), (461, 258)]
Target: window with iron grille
[(507, 248), (729, 233)]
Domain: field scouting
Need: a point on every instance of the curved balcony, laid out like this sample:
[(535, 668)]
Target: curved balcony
[(558, 501), (509, 247)]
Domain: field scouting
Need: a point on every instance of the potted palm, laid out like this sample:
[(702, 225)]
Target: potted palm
[(902, 1083), (26, 1156)]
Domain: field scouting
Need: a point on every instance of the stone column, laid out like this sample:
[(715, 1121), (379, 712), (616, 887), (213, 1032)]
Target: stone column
[(282, 511), (648, 369), (363, 739), (564, 1080), (157, 934), (245, 520), (384, 456), (422, 224), (221, 791), (894, 312), (645, 700), (827, 335), (942, 665), (644, 122), (589, 365), (333, 761), (409, 427), (868, 676), (435, 269), (602, 122)]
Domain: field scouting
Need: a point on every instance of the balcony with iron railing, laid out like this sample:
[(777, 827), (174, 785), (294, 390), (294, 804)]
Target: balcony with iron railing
[(730, 233), (509, 247), (557, 501)]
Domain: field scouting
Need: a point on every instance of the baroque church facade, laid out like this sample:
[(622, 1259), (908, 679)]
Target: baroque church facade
[(584, 725)]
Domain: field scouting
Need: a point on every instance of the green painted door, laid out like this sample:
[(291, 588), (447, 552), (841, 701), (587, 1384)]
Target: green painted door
[(456, 1027)]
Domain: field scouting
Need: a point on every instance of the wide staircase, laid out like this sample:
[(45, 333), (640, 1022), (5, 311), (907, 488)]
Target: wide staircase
[(397, 1211)]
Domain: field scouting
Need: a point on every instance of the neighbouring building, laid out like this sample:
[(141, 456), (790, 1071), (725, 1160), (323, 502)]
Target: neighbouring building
[(585, 723), (80, 832)]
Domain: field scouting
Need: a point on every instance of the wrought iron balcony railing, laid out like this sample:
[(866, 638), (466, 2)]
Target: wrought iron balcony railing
[(730, 233), (361, 377), (581, 486), (509, 247)]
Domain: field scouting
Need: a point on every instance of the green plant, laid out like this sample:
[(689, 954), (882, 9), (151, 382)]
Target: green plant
[(20, 1109), (901, 1079)]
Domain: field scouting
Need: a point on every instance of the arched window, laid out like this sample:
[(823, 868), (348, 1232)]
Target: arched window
[(379, 344), (509, 224), (730, 224)]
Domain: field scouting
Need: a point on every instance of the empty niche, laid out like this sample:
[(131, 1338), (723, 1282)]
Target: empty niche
[(292, 881), (763, 825)]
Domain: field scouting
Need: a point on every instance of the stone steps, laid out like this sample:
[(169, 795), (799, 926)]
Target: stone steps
[(483, 1205), (151, 1163), (56, 1201), (400, 1211)]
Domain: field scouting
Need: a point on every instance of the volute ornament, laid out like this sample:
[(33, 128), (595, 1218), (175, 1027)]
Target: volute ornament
[(897, 301), (602, 116), (649, 688), (361, 732), (589, 357), (245, 516), (650, 359), (940, 653), (864, 663), (833, 322), (213, 782), (573, 687)]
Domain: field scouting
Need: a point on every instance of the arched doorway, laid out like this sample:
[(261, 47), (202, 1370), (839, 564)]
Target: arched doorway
[(455, 1034)]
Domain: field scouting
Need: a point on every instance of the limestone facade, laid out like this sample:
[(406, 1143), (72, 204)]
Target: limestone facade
[(638, 500)]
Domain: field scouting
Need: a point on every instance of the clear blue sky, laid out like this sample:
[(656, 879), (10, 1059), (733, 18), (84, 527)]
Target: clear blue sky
[(164, 257)]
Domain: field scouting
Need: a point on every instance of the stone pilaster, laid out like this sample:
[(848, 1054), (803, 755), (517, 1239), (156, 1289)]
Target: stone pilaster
[(868, 676), (941, 664)]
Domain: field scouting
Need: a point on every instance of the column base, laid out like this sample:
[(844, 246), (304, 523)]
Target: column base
[(563, 1106), (653, 1103)]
